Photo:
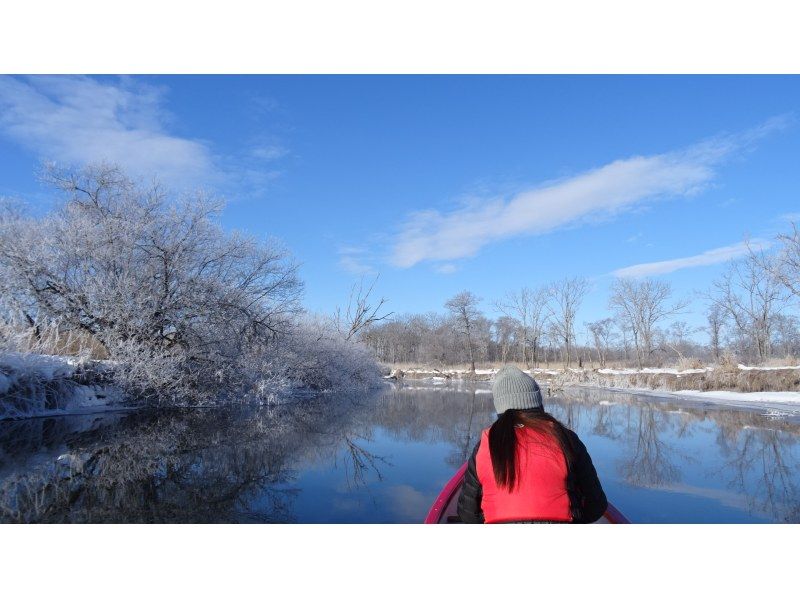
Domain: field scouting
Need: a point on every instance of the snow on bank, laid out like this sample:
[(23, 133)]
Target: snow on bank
[(679, 372), (630, 372), (792, 398), (15, 367), (34, 385), (434, 374), (758, 385), (784, 401), (763, 368)]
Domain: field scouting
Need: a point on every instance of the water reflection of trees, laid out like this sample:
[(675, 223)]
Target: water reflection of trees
[(211, 465), (225, 465), (199, 466), (764, 464), (759, 459), (193, 467), (649, 460), (359, 462), (450, 415), (653, 437), (604, 423)]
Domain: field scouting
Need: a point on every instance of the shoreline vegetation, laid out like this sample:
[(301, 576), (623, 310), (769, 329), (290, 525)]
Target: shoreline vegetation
[(126, 295), (33, 385), (720, 383)]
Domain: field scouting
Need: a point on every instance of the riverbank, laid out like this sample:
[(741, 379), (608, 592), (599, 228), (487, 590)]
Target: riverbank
[(33, 385), (41, 385), (479, 375), (738, 378), (737, 384)]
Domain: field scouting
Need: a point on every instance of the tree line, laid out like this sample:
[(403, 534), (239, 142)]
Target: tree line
[(751, 314)]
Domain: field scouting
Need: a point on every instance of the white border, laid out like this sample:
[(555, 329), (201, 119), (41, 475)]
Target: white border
[(413, 36), (397, 560)]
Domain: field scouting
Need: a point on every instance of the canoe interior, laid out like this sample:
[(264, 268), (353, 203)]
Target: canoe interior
[(445, 509)]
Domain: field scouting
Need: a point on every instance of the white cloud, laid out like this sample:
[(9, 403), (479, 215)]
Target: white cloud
[(431, 235), (445, 268), (707, 258), (77, 120), (355, 261)]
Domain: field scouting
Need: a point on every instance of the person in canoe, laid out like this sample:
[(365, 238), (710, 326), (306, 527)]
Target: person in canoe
[(528, 467)]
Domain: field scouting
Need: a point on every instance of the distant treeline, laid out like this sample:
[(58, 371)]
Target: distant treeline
[(751, 315)]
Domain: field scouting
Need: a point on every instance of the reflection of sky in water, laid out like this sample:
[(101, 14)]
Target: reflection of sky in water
[(411, 480), (385, 458)]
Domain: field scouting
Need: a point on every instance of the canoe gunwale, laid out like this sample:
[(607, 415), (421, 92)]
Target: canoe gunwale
[(446, 495)]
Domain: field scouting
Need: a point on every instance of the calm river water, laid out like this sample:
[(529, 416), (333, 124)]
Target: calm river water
[(384, 458)]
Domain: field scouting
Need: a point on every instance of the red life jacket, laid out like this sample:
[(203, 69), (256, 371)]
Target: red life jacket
[(541, 490)]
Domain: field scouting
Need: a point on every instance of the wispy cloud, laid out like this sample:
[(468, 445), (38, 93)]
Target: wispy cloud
[(707, 258), (77, 120), (634, 238), (446, 268), (355, 261), (604, 192)]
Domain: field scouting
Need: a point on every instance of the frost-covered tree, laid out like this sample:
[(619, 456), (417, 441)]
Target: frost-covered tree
[(361, 312), (185, 308)]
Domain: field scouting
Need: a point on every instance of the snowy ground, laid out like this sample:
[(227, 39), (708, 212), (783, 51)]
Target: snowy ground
[(778, 404), (34, 385), (678, 372), (752, 397)]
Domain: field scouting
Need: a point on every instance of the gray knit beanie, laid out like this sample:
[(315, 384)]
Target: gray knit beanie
[(514, 389)]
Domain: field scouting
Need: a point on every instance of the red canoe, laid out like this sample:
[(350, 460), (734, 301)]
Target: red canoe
[(444, 510)]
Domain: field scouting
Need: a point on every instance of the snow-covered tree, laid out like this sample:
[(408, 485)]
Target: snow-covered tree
[(187, 309)]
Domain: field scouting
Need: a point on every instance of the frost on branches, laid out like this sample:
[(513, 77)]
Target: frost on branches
[(184, 312)]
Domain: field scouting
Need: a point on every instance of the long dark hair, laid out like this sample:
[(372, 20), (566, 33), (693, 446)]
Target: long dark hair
[(503, 448)]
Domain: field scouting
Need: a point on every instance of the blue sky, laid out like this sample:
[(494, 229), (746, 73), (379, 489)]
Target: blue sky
[(443, 183)]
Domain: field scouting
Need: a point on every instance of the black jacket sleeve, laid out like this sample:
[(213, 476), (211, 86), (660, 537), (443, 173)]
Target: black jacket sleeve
[(469, 503), (593, 502)]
